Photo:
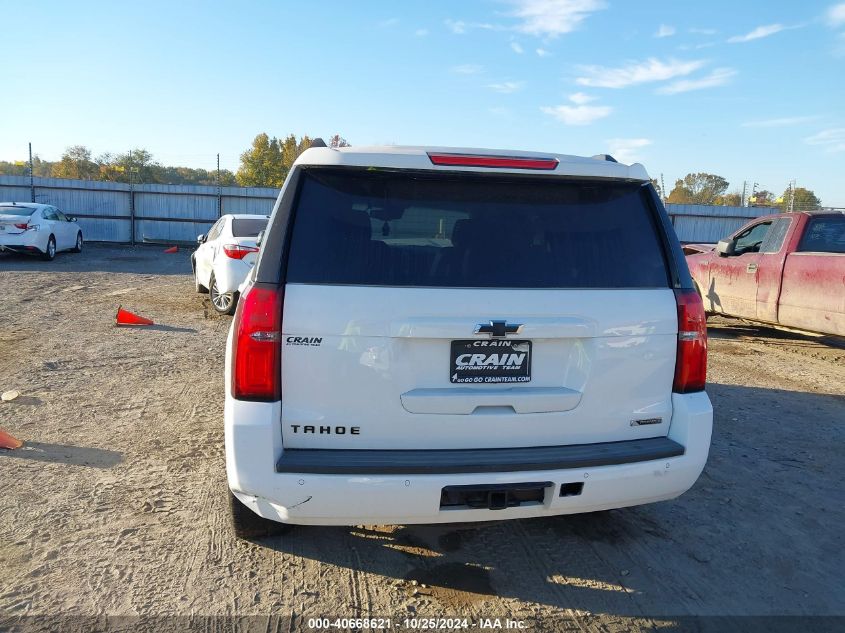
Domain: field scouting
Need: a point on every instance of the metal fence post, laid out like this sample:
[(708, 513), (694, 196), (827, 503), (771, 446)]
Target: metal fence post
[(219, 191), (131, 212), (31, 178)]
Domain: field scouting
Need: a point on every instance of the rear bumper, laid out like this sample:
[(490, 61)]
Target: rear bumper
[(26, 242), (253, 450)]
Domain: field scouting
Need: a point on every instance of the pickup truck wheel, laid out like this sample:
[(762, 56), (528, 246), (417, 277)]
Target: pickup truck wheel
[(248, 525)]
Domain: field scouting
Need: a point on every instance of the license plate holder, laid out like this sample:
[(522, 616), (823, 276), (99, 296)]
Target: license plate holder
[(490, 361)]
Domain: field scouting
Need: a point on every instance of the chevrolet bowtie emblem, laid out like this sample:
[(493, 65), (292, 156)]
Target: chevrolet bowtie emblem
[(498, 329)]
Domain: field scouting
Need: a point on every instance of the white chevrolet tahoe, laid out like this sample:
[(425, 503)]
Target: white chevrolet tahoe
[(444, 335)]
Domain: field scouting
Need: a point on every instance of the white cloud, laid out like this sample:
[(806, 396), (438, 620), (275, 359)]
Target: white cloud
[(421, 32), (506, 87), (542, 52), (458, 27), (665, 31), (577, 115), (467, 69), (389, 22), (634, 73), (550, 18), (832, 140), (579, 98), (580, 113), (517, 48), (718, 77), (626, 150), (782, 122), (758, 33), (836, 15)]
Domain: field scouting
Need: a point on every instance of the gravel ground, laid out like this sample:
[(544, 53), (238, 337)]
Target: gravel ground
[(116, 506)]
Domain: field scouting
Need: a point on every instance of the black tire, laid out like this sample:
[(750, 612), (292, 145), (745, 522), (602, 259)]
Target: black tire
[(78, 247), (197, 285), (248, 525), (224, 303), (50, 253)]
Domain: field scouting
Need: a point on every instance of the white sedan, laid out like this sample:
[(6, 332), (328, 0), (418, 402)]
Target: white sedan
[(27, 227), (225, 256)]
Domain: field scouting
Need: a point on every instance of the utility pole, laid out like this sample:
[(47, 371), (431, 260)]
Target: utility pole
[(744, 187), (31, 178), (791, 195), (219, 191), (662, 189)]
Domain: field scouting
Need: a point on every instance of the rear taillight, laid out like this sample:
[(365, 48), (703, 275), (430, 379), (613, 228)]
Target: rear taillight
[(257, 345), (23, 226), (237, 251), (502, 162), (691, 362)]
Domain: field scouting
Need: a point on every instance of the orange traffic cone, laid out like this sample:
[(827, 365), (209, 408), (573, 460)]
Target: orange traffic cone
[(7, 441), (124, 317), (172, 249)]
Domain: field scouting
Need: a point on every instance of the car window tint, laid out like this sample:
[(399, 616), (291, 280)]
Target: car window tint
[(824, 235), (215, 230), (775, 236), (446, 230), (750, 240), (248, 227)]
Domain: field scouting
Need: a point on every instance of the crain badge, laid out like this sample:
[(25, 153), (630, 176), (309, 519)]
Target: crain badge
[(313, 341), (646, 421)]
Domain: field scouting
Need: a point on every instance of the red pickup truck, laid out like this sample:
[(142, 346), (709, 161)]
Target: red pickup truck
[(786, 269)]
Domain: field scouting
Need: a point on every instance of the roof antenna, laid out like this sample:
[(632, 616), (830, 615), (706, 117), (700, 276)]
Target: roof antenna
[(318, 142)]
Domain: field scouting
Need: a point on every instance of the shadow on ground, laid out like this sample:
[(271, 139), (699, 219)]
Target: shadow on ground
[(108, 258)]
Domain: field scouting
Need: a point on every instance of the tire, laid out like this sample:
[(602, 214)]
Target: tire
[(78, 247), (50, 253), (248, 525), (197, 285), (224, 303)]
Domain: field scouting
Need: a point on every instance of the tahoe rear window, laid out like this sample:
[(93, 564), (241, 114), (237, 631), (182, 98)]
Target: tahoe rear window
[(388, 228)]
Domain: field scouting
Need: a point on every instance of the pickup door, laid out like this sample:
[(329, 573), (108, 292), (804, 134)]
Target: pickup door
[(813, 288), (733, 278)]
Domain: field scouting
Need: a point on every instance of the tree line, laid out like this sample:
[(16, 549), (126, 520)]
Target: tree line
[(265, 164), (710, 189), (268, 160)]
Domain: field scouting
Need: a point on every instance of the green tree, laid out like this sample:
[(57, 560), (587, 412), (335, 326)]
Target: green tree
[(762, 198), (805, 200), (291, 149), (700, 188), (76, 163), (733, 199), (261, 164)]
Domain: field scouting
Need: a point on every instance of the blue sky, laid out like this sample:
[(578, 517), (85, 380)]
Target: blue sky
[(748, 90)]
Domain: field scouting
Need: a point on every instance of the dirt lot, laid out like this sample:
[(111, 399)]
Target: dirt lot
[(117, 506)]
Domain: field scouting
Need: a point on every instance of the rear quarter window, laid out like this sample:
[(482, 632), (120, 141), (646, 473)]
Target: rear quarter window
[(445, 230), (824, 235)]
